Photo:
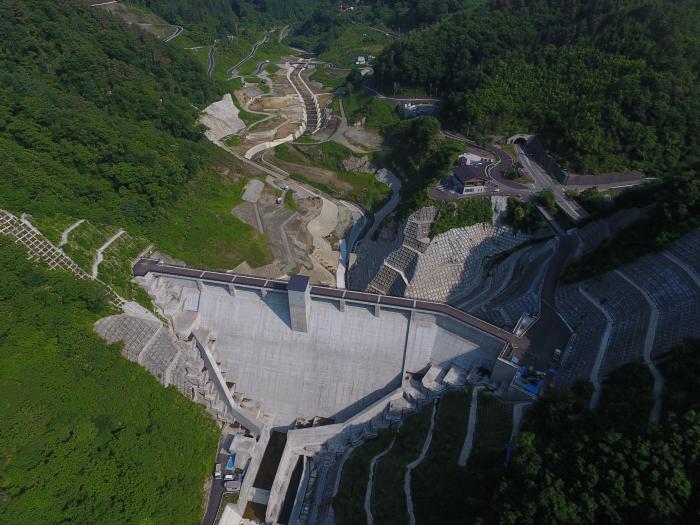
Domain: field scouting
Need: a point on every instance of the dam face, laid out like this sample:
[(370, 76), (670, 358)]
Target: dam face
[(349, 355)]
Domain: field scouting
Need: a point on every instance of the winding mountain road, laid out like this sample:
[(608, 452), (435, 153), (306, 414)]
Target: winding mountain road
[(212, 62), (178, 31), (233, 72)]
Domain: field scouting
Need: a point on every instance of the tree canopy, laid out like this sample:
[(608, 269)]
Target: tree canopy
[(87, 436), (609, 86)]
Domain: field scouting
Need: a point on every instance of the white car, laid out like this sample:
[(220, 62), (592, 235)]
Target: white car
[(228, 477)]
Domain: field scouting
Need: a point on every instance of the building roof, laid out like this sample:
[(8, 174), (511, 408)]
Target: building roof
[(471, 173), (298, 283)]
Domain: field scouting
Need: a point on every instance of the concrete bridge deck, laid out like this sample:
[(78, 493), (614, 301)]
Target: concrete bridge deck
[(145, 266)]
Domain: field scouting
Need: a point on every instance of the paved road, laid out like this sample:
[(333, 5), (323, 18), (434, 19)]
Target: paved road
[(233, 72), (550, 331), (399, 100), (178, 31), (215, 495), (542, 181), (212, 62)]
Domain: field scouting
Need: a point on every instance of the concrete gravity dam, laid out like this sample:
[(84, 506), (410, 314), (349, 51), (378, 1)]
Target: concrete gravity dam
[(326, 366)]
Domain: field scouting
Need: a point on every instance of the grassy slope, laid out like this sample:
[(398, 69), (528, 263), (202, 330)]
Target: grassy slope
[(437, 481), (355, 40), (388, 499), (200, 230), (348, 505)]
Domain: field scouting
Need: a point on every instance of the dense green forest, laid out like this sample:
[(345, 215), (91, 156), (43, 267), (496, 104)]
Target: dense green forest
[(95, 119), (422, 157), (87, 436), (609, 86), (218, 18), (573, 465), (402, 15)]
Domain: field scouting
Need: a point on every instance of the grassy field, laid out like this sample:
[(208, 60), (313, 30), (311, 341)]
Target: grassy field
[(438, 479), (199, 228), (331, 78), (348, 506), (84, 241), (461, 213), (355, 40), (388, 498), (233, 140), (366, 189)]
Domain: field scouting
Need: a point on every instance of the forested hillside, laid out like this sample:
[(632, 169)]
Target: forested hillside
[(608, 85), (87, 436), (218, 18), (96, 119)]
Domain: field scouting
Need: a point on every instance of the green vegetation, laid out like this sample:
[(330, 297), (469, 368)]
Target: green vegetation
[(548, 200), (331, 78), (82, 142), (272, 68), (682, 380), (230, 51), (228, 497), (52, 227), (516, 175), (439, 480), (523, 216), (260, 83), (593, 201), (116, 267), (84, 241), (84, 429), (511, 151), (608, 466), (206, 20), (289, 201), (388, 498), (675, 211), (272, 50), (233, 140), (107, 133), (609, 86), (200, 230), (461, 213), (365, 188), (422, 156), (350, 500), (336, 39), (487, 457), (377, 115)]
